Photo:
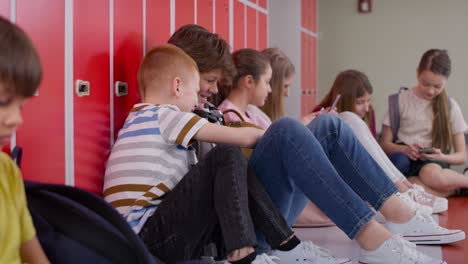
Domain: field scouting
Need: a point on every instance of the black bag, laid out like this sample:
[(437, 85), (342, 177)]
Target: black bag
[(75, 226)]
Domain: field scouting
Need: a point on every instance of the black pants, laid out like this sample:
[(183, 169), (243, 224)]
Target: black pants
[(220, 195)]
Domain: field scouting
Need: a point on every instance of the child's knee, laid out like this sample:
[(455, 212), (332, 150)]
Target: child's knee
[(228, 151), (431, 175), (329, 123), (286, 122)]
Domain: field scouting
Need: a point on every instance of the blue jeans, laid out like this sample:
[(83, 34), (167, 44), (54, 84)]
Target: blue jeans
[(401, 161), (325, 163)]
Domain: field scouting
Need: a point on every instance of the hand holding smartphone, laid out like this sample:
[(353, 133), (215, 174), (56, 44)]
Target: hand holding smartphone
[(335, 102), (329, 109), (427, 150)]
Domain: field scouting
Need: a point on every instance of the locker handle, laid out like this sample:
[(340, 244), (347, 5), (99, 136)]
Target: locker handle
[(121, 88), (82, 88)]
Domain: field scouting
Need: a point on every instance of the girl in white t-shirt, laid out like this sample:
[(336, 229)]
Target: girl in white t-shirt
[(429, 119)]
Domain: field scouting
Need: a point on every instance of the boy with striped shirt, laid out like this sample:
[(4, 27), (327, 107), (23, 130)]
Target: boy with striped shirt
[(175, 204)]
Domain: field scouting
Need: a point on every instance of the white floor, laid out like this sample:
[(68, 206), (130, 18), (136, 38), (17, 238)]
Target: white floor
[(333, 239)]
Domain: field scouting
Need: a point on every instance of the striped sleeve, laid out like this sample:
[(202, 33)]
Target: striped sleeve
[(179, 127)]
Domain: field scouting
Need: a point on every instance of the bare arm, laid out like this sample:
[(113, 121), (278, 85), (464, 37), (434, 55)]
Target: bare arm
[(389, 147), (31, 252), (241, 136), (456, 158), (386, 141)]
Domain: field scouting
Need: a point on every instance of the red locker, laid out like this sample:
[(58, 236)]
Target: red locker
[(184, 12), (304, 77), (91, 113), (222, 19), (304, 13), (205, 14), (5, 8), (239, 25), (308, 73), (158, 22), (128, 53), (42, 135), (313, 16), (251, 28), (262, 31), (309, 14), (263, 3), (313, 71)]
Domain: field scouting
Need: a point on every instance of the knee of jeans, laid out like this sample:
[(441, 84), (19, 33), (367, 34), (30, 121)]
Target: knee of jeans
[(229, 152), (329, 121), (285, 122)]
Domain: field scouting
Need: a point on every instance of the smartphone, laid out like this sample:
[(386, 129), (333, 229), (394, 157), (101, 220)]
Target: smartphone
[(426, 150), (335, 102)]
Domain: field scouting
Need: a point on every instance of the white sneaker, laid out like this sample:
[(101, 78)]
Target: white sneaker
[(307, 252), (438, 204), (265, 259), (396, 250), (414, 205), (423, 229)]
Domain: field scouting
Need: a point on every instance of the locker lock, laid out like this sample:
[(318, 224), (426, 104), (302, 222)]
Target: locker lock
[(82, 88), (121, 88)]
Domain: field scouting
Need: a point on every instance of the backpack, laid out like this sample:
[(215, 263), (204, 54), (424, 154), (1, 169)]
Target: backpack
[(394, 112), (75, 226)]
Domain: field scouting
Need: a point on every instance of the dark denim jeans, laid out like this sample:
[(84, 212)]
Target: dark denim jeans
[(401, 161), (219, 200), (325, 163)]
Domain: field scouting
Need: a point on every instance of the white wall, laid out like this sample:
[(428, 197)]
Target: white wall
[(388, 43), (284, 32)]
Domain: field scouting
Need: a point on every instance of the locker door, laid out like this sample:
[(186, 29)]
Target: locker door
[(312, 23), (304, 13), (262, 31), (304, 74), (309, 14), (263, 3), (158, 22), (184, 12), (251, 28), (222, 19), (5, 8), (42, 135), (91, 113), (128, 53), (239, 25), (309, 72), (205, 14), (312, 45)]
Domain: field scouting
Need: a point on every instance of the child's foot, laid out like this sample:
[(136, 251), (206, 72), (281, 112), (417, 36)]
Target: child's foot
[(419, 195), (307, 253), (265, 259), (422, 229), (405, 197), (396, 250)]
